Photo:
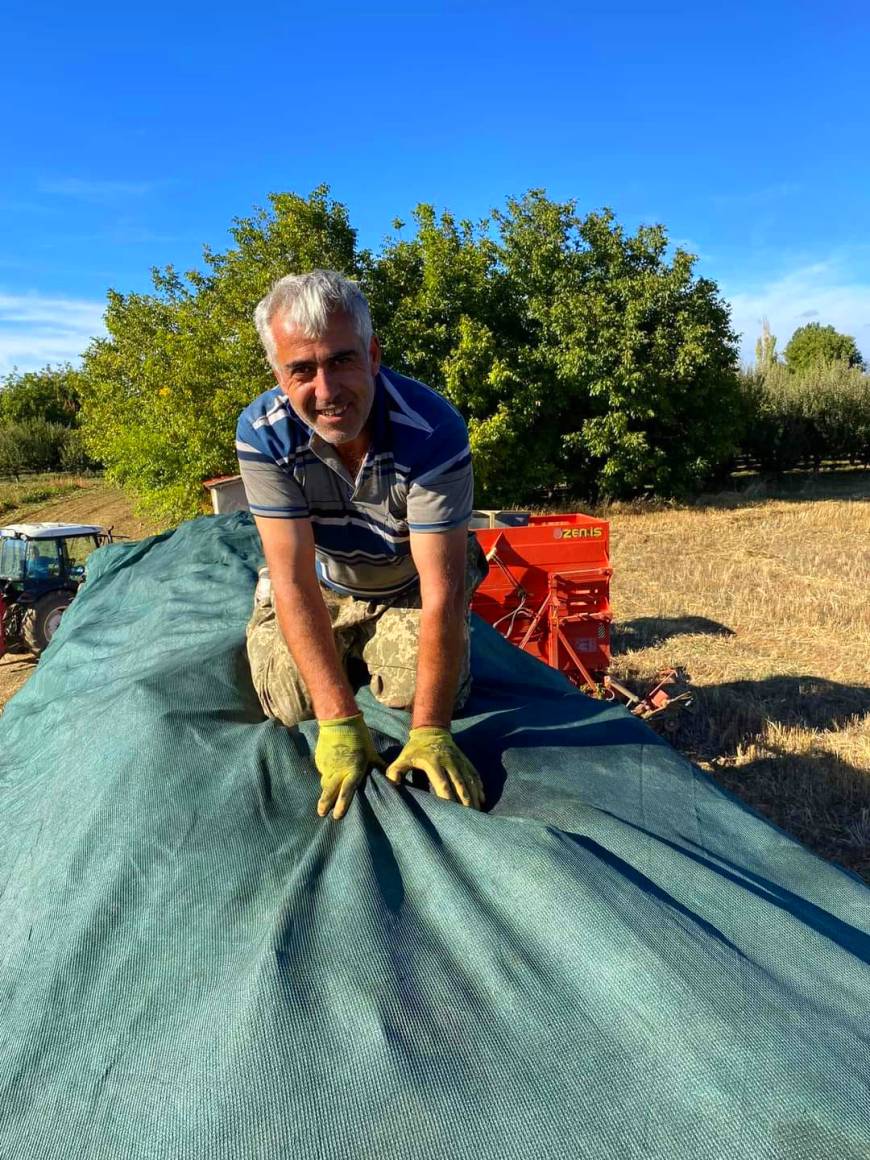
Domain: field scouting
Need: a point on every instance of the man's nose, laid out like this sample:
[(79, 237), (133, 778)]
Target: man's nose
[(326, 385)]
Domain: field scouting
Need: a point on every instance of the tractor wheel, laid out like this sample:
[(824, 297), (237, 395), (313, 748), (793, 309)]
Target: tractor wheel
[(41, 621)]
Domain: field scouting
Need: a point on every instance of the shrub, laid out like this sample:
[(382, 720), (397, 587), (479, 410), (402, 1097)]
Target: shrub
[(32, 445), (74, 454)]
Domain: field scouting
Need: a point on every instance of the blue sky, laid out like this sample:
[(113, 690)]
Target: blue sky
[(132, 135)]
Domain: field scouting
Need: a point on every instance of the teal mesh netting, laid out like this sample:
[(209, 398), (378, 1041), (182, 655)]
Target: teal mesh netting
[(617, 960)]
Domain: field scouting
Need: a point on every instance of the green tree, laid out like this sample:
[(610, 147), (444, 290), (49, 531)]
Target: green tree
[(50, 394), (813, 344), (31, 445), (74, 453), (161, 394), (580, 356), (765, 348)]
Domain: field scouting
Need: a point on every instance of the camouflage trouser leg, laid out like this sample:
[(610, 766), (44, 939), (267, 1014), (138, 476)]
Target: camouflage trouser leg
[(276, 678), (392, 644), (384, 636)]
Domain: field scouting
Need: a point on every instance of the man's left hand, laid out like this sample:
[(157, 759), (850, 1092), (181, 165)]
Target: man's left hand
[(451, 775)]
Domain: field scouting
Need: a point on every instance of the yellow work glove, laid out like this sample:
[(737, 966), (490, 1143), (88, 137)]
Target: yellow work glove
[(434, 752), (343, 756)]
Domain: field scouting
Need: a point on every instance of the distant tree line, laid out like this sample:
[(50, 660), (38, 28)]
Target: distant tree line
[(811, 408), (39, 431), (588, 361)]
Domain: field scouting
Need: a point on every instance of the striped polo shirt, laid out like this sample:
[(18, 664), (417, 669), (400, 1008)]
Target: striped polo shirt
[(416, 477)]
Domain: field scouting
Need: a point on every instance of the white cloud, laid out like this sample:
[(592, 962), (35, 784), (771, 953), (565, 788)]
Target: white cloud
[(36, 329), (96, 190), (822, 291), (754, 197)]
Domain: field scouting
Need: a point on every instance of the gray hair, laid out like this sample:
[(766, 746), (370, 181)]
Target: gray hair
[(306, 301)]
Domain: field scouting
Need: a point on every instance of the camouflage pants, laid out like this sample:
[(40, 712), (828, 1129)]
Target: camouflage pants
[(384, 637)]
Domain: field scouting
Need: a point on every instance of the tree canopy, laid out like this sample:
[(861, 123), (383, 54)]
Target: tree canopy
[(765, 349), (584, 358), (813, 344), (38, 421), (50, 395)]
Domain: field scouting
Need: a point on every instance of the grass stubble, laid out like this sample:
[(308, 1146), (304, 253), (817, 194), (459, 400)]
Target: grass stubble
[(18, 495), (761, 601)]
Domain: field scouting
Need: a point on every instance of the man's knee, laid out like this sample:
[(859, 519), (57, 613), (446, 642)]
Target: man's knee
[(394, 688), (391, 656)]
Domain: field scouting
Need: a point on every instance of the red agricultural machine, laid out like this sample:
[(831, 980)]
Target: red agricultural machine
[(548, 592)]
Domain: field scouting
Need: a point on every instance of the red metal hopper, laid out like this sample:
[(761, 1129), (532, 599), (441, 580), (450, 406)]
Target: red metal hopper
[(548, 591)]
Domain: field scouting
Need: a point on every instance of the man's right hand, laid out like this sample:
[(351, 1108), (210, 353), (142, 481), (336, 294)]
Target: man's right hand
[(344, 754)]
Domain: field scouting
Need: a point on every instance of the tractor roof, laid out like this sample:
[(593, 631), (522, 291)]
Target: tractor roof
[(50, 531)]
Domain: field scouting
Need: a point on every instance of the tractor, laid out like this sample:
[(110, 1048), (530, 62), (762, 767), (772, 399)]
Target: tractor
[(41, 569)]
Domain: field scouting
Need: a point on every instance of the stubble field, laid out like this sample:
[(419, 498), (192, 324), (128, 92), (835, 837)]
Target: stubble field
[(761, 600)]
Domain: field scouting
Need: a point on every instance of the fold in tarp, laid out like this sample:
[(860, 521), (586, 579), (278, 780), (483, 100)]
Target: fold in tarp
[(617, 960)]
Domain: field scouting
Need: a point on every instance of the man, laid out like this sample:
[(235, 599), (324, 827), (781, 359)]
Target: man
[(360, 484)]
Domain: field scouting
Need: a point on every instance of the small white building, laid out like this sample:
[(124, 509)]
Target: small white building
[(227, 494)]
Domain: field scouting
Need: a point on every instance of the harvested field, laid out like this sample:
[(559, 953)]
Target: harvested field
[(761, 600), (25, 493)]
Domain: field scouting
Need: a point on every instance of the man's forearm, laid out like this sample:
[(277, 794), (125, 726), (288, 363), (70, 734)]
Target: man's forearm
[(305, 625), (442, 641)]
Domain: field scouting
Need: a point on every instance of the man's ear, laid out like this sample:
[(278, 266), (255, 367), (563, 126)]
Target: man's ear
[(375, 355)]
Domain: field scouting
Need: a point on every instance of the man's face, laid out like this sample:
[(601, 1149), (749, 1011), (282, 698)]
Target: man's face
[(329, 381)]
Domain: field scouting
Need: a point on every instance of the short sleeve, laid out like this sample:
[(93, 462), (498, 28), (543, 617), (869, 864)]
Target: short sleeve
[(441, 484), (271, 491)]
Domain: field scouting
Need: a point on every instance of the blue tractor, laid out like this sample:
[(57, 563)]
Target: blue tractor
[(41, 569)]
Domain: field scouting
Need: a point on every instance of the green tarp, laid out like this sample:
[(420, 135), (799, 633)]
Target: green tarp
[(617, 960)]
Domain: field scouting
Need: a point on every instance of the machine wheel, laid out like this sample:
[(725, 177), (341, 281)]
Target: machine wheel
[(41, 621)]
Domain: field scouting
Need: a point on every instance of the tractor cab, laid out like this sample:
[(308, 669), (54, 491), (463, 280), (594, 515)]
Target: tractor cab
[(41, 568)]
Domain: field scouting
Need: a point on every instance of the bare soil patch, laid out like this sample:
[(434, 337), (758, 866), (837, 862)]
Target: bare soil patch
[(93, 502)]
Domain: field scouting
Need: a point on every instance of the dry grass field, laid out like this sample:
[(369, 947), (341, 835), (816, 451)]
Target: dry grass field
[(24, 493), (760, 599)]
